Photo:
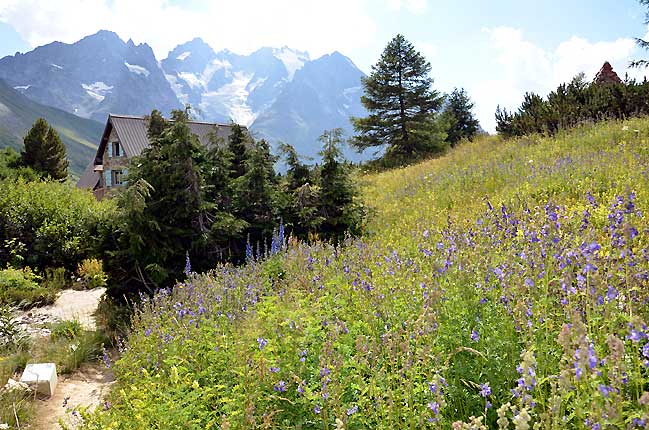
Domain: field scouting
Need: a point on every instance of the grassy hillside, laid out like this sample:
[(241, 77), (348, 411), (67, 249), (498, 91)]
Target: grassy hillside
[(504, 284), (18, 113)]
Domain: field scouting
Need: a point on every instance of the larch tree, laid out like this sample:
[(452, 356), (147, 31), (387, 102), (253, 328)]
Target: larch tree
[(402, 105)]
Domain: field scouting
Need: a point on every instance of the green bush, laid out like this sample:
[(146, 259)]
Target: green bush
[(66, 330), (91, 274), (12, 336), (20, 287), (49, 224)]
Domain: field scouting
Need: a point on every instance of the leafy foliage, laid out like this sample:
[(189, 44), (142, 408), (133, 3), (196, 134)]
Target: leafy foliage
[(91, 274), (20, 287), (11, 168), (49, 224), (402, 105)]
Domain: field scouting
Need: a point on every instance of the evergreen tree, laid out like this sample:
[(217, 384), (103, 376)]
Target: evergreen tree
[(166, 213), (401, 103), (298, 196), (237, 145), (458, 112), (338, 209), (44, 151), (156, 126), (254, 192), (644, 44)]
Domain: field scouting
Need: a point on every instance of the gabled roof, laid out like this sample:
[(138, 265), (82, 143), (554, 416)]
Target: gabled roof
[(132, 132), (607, 75), (90, 178)]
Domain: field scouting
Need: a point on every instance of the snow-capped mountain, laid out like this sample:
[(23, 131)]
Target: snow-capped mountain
[(279, 93), (227, 86), (95, 76)]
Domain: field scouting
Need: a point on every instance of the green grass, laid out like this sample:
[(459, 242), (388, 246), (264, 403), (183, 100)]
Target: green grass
[(520, 266)]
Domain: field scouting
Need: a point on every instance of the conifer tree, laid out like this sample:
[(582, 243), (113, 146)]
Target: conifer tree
[(156, 126), (337, 191), (458, 112), (298, 197), (237, 146), (172, 216), (254, 193), (45, 152), (402, 105)]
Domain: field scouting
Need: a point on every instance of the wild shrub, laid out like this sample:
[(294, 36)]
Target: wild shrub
[(65, 330), (91, 274), (49, 224), (20, 287)]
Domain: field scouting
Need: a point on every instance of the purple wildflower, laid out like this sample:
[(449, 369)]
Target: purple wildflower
[(475, 336), (262, 342), (352, 410), (280, 387), (605, 390), (485, 390), (317, 409)]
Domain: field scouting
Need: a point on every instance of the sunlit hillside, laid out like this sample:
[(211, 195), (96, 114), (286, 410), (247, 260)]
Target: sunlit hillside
[(503, 284)]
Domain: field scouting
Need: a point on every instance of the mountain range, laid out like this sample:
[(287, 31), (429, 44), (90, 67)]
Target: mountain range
[(281, 94)]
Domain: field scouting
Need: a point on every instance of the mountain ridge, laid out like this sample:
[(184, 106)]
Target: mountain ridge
[(18, 113), (280, 93)]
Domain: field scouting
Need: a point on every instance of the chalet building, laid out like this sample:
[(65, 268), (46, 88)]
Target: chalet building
[(607, 75), (126, 137)]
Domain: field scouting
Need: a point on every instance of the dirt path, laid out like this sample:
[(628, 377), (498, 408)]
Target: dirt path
[(73, 304), (86, 387)]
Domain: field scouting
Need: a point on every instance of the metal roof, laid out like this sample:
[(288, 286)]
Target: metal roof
[(132, 133), (90, 178)]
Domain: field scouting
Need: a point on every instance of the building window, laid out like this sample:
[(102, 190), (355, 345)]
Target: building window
[(118, 178), (114, 149)]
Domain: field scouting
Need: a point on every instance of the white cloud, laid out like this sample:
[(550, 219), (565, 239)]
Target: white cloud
[(412, 6), (521, 66), (427, 49), (241, 26)]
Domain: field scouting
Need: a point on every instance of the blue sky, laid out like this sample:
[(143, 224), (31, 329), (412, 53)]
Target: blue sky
[(495, 49)]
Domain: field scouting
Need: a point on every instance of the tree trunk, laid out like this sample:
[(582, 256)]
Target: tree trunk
[(402, 107)]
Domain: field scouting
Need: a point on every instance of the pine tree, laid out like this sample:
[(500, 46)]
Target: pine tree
[(338, 209), (402, 105), (644, 44), (458, 112), (44, 151)]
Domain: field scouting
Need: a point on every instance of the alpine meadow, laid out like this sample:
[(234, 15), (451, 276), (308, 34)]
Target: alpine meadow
[(206, 272)]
